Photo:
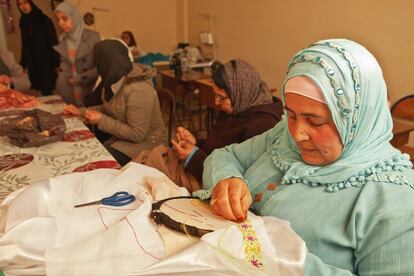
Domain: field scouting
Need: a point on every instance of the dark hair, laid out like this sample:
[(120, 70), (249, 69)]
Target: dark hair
[(131, 36), (218, 75), (182, 45)]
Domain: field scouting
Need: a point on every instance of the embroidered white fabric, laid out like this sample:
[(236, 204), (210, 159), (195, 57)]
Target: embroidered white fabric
[(41, 232)]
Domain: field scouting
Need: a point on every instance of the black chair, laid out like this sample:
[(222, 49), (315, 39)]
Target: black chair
[(167, 101)]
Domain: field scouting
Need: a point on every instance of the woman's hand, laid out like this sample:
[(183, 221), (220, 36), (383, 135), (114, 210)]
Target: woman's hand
[(183, 135), (71, 109), (3, 88), (6, 80), (93, 116), (231, 199), (71, 81), (183, 149)]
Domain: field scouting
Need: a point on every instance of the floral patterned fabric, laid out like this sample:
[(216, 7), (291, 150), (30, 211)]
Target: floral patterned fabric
[(78, 151)]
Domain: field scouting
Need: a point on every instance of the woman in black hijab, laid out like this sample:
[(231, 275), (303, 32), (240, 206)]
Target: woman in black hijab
[(38, 57)]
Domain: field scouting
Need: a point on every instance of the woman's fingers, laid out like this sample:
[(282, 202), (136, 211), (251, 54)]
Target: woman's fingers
[(185, 135), (235, 196), (223, 204), (174, 144), (71, 109), (246, 202), (230, 200), (180, 131)]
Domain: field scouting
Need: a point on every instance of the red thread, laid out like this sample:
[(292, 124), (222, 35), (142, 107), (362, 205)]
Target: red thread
[(136, 238), (113, 209)]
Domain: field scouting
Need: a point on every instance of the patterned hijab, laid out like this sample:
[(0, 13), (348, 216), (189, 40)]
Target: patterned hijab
[(355, 92), (245, 87), (72, 12)]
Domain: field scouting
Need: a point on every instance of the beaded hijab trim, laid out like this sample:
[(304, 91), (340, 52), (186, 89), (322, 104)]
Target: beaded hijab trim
[(383, 171), (331, 74)]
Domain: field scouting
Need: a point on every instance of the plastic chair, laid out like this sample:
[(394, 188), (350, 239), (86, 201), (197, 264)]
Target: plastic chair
[(167, 99)]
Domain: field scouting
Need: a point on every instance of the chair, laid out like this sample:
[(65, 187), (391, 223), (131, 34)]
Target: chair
[(167, 99), (404, 109)]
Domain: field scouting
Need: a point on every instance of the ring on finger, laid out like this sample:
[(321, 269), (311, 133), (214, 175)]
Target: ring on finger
[(213, 201)]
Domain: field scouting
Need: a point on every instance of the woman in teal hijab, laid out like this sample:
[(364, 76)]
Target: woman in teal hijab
[(327, 167)]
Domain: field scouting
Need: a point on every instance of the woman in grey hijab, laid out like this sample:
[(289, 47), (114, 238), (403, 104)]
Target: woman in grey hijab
[(77, 74)]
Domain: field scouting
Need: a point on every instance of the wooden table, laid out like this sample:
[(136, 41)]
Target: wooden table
[(207, 98), (206, 93), (78, 151), (183, 87)]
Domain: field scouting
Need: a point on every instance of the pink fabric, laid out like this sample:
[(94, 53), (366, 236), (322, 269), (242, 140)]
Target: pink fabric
[(306, 87)]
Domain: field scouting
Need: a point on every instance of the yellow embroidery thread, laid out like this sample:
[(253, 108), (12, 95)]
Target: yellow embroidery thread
[(252, 245)]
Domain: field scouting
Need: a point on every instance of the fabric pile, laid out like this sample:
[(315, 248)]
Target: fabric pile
[(33, 128), (13, 99), (42, 233)]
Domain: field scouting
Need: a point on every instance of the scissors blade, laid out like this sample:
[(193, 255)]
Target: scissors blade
[(88, 204)]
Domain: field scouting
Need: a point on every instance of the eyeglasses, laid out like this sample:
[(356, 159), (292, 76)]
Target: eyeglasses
[(220, 98), (215, 65)]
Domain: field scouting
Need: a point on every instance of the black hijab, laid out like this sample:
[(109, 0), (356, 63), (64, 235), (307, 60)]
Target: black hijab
[(28, 20), (112, 62)]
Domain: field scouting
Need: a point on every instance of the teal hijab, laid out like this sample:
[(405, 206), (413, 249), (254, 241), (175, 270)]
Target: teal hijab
[(354, 88)]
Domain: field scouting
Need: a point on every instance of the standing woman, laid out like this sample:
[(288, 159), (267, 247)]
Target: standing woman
[(129, 39), (77, 74), (38, 35)]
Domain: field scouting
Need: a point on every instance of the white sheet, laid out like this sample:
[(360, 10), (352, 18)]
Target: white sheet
[(44, 233)]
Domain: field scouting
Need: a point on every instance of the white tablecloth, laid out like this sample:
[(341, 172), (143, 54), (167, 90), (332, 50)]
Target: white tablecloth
[(79, 151)]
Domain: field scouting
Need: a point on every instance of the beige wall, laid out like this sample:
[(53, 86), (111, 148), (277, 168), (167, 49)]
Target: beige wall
[(153, 22), (268, 32), (265, 32)]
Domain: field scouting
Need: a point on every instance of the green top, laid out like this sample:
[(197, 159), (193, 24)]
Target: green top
[(356, 215), (361, 230)]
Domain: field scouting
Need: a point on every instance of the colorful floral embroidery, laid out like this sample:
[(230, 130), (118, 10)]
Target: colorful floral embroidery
[(251, 244)]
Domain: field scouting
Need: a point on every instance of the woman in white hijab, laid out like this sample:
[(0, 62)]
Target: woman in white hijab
[(77, 74)]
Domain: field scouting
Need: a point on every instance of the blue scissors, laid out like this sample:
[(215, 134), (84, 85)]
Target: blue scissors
[(117, 199)]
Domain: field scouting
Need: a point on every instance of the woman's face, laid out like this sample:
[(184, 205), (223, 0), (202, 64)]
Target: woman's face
[(65, 22), (311, 125), (222, 99), (126, 38), (25, 6)]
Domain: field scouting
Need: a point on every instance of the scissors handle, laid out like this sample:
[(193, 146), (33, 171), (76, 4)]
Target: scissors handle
[(118, 199)]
